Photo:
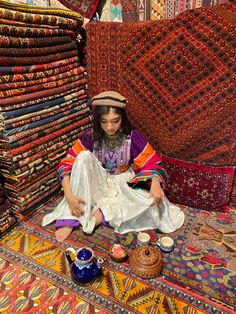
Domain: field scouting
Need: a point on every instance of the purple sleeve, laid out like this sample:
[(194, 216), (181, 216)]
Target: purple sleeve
[(86, 139)]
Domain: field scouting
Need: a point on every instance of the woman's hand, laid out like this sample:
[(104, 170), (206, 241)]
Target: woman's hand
[(75, 203), (156, 191)]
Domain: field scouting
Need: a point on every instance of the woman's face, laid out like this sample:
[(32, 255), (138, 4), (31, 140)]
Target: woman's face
[(110, 122)]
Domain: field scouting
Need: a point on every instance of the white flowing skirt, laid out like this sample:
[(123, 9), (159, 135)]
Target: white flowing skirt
[(126, 209)]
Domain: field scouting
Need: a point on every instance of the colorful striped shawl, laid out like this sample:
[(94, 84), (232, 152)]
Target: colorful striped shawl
[(145, 162)]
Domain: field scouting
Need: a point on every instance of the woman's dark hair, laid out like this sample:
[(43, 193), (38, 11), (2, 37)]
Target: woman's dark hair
[(101, 110)]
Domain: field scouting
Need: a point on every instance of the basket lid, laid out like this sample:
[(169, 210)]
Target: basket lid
[(146, 261), (147, 255)]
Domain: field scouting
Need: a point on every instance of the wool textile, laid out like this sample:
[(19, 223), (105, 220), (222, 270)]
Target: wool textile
[(40, 51), (28, 118), (13, 41), (27, 31), (14, 100), (198, 185), (43, 102), (64, 80), (46, 79), (84, 7), (177, 75), (197, 277), (178, 78), (18, 11), (33, 107), (37, 67), (27, 78)]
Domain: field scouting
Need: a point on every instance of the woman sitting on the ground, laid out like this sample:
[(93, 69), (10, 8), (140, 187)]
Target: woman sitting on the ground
[(112, 175)]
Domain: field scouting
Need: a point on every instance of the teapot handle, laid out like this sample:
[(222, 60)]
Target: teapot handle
[(100, 260), (68, 250)]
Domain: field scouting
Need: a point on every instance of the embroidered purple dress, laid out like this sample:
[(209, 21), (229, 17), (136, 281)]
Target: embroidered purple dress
[(117, 181)]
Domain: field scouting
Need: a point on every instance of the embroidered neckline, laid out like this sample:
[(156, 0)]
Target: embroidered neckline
[(114, 141)]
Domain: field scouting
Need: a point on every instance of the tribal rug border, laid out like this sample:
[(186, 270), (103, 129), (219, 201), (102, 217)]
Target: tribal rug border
[(36, 251)]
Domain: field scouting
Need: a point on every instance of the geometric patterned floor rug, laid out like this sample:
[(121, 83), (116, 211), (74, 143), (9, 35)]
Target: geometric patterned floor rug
[(198, 276)]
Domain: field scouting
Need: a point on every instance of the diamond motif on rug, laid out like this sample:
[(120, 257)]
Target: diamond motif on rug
[(178, 78), (190, 281)]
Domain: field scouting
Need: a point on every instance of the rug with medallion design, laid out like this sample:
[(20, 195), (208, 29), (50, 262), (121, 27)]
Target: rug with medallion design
[(199, 275), (178, 76)]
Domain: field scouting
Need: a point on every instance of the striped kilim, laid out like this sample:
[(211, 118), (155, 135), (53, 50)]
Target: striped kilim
[(35, 276)]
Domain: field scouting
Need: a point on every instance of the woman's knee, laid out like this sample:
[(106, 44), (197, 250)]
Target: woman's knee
[(85, 155), (85, 160)]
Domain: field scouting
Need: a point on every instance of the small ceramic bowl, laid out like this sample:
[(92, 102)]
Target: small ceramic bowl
[(143, 238), (166, 244), (118, 253)]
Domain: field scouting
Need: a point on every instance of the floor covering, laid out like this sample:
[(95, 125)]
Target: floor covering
[(198, 275)]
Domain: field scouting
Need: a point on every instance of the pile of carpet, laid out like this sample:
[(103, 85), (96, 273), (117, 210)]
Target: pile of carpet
[(7, 218), (43, 99)]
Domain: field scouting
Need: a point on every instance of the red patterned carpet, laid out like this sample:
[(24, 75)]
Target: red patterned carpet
[(178, 76), (84, 7), (199, 276)]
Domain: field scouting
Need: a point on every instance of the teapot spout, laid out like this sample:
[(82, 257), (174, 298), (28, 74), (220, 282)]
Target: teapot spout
[(69, 259)]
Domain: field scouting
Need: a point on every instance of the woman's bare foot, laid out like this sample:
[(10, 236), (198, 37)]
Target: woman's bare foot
[(63, 233), (98, 216)]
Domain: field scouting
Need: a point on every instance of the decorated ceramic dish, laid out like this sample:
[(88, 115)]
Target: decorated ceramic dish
[(118, 253)]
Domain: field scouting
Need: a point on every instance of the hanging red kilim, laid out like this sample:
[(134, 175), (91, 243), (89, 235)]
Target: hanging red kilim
[(177, 76)]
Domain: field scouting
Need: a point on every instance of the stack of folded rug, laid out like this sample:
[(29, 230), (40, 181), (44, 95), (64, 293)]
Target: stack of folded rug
[(43, 99), (7, 217)]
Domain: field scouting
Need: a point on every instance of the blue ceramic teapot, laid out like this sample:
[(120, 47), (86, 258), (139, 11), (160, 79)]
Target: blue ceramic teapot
[(84, 267)]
